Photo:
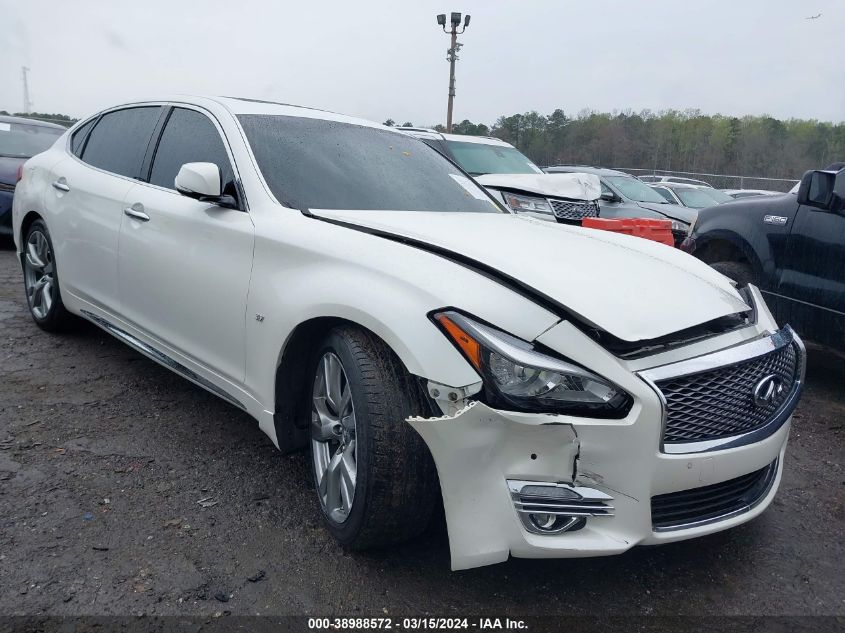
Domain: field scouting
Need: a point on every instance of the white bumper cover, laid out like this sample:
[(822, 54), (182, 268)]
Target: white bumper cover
[(477, 450)]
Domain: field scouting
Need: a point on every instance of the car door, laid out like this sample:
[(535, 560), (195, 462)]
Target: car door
[(185, 270), (87, 196), (813, 276)]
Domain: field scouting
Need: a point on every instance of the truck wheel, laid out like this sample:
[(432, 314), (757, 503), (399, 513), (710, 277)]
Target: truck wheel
[(740, 272), (375, 478), (41, 280)]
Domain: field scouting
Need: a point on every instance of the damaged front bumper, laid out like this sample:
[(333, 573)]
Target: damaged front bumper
[(502, 472), (480, 451)]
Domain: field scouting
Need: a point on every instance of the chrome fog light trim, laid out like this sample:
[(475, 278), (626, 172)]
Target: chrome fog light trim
[(554, 508)]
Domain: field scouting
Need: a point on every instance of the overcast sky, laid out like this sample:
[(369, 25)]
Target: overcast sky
[(380, 58)]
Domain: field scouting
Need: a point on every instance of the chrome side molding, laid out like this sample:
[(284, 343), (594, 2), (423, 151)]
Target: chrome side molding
[(160, 357)]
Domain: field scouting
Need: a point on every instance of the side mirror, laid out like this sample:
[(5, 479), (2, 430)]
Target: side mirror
[(817, 189), (202, 181), (609, 196)]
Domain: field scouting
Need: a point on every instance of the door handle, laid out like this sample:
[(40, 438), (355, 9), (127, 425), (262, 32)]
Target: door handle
[(61, 185), (136, 212)]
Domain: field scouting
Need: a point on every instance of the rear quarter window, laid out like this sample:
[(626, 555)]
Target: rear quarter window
[(77, 141)]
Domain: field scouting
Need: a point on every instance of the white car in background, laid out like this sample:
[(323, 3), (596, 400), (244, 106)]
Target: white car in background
[(750, 193), (571, 392), (654, 179), (513, 179), (691, 196)]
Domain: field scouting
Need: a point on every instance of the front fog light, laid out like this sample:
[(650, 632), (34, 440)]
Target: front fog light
[(553, 524), (554, 508)]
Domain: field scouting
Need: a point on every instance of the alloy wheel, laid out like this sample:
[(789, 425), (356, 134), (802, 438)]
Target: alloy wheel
[(39, 274), (334, 438)]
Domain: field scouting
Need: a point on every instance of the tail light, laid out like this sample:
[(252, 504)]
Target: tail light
[(20, 174)]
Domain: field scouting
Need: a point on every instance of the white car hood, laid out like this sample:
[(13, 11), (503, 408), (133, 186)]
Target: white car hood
[(633, 288), (572, 186)]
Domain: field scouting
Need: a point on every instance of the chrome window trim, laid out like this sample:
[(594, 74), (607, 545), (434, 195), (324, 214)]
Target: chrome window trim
[(725, 358), (162, 104)]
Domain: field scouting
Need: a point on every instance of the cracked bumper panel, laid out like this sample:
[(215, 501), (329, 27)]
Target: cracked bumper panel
[(479, 449)]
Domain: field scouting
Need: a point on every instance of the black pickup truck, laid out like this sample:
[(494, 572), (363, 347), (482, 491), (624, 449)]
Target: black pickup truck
[(791, 246)]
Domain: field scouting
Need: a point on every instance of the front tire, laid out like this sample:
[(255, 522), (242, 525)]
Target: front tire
[(375, 479), (41, 280)]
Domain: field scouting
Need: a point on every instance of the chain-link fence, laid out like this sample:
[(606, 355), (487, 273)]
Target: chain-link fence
[(720, 181)]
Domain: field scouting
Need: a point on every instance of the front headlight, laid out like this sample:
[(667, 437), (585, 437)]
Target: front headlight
[(518, 376), (526, 203), (680, 227)]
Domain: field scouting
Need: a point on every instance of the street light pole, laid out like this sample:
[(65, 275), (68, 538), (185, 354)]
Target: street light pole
[(452, 57)]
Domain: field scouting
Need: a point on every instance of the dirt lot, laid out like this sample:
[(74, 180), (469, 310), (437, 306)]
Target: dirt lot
[(104, 456)]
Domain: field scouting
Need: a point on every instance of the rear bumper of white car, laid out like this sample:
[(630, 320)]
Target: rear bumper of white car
[(619, 480)]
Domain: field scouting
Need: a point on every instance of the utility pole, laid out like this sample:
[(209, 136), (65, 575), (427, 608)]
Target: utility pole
[(452, 56), (27, 104)]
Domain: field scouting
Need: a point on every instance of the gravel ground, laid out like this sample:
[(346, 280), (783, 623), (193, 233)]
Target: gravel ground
[(104, 456)]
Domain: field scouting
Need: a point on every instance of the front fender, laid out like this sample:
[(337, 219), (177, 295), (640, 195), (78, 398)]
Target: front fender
[(316, 270)]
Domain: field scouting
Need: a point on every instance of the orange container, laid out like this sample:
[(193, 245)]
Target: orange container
[(650, 229)]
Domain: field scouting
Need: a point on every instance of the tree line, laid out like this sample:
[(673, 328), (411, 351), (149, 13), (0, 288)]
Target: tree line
[(59, 119), (671, 140)]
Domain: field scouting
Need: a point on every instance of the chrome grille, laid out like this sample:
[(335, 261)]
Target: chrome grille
[(567, 210), (716, 502), (720, 402)]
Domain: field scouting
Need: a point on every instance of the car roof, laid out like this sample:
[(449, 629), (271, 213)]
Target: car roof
[(585, 169), (760, 191), (421, 132), (27, 121), (242, 105), (676, 185)]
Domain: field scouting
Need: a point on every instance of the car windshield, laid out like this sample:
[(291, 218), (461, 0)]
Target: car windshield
[(480, 158), (24, 140), (695, 198), (665, 193), (718, 196), (635, 189), (319, 164)]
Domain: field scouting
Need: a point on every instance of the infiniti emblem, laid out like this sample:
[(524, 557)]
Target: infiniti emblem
[(767, 390)]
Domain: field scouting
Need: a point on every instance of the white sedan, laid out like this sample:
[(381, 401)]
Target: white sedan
[(570, 392)]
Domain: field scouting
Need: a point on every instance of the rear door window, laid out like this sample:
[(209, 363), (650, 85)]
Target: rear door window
[(190, 137), (119, 140)]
